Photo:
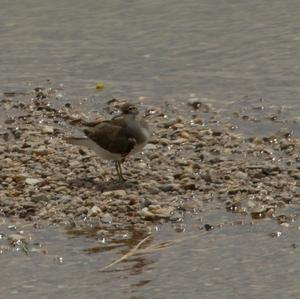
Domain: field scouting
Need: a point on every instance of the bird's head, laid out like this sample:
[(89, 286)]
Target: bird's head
[(129, 109)]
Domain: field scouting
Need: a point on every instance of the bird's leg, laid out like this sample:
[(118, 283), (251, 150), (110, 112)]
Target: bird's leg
[(119, 170)]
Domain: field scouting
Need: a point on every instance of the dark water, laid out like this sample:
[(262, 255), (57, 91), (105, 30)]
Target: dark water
[(239, 260), (233, 53)]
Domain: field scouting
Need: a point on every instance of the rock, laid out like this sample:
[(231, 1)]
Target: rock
[(285, 224), (197, 121), (188, 184), (107, 218), (150, 146), (102, 233), (241, 175), (178, 126), (19, 178), (41, 151), (164, 141), (185, 135), (39, 198), (94, 211), (15, 238), (156, 211), (194, 102), (261, 212), (33, 181), (61, 189), (169, 187), (75, 164), (176, 216), (251, 204), (115, 193), (145, 213), (276, 234), (134, 200), (208, 227), (82, 210), (173, 121), (47, 130), (192, 205)]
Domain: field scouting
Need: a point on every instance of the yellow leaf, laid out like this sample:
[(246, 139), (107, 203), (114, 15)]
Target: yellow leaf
[(100, 86)]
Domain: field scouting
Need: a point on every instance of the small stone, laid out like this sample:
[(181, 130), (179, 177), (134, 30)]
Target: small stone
[(82, 210), (61, 189), (178, 126), (150, 146), (208, 227), (275, 234), (171, 122), (19, 178), (187, 184), (39, 198), (241, 175), (164, 141), (41, 151), (251, 204), (101, 233), (33, 181), (15, 238), (194, 102), (192, 205), (185, 135), (94, 211), (169, 187), (156, 211), (133, 200), (47, 130), (145, 213), (285, 224), (176, 216), (115, 193), (75, 164), (107, 218)]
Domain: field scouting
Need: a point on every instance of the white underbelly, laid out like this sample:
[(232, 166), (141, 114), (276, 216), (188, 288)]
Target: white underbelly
[(137, 148), (104, 154)]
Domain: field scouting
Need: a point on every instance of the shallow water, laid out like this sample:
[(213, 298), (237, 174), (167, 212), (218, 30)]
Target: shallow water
[(223, 50), (238, 260), (233, 53)]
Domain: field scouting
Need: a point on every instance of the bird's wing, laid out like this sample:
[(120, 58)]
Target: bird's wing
[(112, 136)]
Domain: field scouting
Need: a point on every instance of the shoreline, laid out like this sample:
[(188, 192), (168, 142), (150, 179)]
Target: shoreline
[(186, 164)]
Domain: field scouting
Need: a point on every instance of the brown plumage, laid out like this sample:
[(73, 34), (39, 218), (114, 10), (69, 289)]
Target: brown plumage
[(117, 138), (116, 135)]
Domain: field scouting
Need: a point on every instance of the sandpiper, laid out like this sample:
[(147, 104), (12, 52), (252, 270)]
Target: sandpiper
[(115, 139)]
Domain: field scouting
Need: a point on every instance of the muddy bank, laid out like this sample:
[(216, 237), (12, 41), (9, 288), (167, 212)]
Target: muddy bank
[(187, 167)]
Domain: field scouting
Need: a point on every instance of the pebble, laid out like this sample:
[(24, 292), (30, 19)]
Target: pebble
[(39, 198), (15, 238), (172, 122), (150, 146), (47, 130), (156, 211), (169, 187), (115, 193), (107, 218), (241, 175), (190, 163), (94, 211), (33, 181), (194, 102)]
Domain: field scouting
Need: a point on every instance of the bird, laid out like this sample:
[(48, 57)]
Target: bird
[(115, 139)]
